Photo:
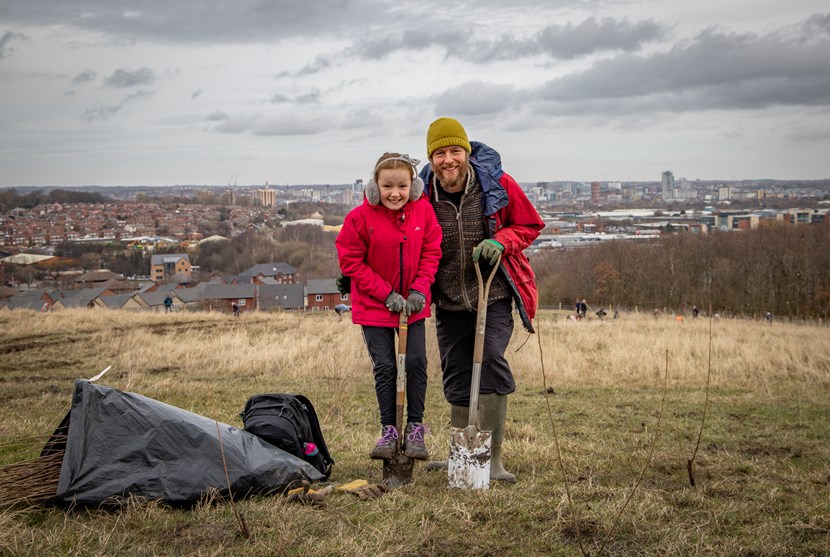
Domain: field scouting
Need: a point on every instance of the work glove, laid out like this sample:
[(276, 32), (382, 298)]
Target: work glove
[(395, 302), (489, 250), (415, 302), (344, 284)]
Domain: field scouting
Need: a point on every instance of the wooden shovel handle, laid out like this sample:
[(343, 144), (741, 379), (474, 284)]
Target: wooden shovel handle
[(478, 347), (403, 329)]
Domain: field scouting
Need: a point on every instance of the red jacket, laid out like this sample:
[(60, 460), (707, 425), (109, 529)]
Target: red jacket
[(384, 250), (511, 220)]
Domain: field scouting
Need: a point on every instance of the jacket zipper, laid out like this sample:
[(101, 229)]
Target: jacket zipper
[(461, 252)]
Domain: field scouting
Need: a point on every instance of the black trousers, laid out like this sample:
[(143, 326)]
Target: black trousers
[(381, 344), (456, 340)]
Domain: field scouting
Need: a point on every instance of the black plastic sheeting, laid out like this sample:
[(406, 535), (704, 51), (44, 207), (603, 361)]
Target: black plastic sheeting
[(120, 444)]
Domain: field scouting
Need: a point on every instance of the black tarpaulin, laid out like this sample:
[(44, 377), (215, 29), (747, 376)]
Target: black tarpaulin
[(121, 444)]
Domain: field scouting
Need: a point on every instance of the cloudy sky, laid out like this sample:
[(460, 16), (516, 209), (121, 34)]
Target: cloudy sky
[(154, 92)]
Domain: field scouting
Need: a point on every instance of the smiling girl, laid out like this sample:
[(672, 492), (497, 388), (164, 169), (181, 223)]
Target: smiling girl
[(390, 246)]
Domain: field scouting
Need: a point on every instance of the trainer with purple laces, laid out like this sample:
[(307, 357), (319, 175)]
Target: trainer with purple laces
[(390, 246), (484, 214)]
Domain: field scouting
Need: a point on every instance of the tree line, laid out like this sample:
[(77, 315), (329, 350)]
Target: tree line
[(781, 268), (10, 199)]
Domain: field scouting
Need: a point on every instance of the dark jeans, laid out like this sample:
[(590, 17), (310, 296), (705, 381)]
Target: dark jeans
[(381, 344), (456, 339)]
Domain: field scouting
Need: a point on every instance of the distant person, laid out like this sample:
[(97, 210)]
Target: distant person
[(168, 304), (768, 317), (695, 312), (616, 314), (578, 307), (583, 308), (389, 247), (235, 308), (340, 309), (656, 313)]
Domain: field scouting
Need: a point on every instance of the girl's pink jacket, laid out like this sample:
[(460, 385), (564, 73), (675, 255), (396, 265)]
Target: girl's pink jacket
[(384, 250)]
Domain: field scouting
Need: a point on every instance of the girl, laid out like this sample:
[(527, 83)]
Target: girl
[(390, 246)]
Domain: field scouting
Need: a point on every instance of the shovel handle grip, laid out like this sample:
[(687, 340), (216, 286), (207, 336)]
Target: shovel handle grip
[(478, 347)]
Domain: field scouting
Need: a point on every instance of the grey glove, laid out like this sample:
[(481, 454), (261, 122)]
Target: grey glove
[(343, 283), (395, 302), (415, 302)]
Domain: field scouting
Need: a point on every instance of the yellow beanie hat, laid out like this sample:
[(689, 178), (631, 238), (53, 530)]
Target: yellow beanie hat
[(445, 132)]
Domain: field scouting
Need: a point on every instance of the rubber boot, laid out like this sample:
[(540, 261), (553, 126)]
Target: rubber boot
[(492, 415), (459, 415)]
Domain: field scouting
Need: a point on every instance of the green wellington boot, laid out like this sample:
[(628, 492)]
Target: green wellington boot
[(492, 414), (459, 415)]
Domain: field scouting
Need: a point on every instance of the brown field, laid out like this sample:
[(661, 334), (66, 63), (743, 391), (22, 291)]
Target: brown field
[(762, 470)]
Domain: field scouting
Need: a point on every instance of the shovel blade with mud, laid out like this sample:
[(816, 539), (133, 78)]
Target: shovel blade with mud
[(398, 470), (468, 466)]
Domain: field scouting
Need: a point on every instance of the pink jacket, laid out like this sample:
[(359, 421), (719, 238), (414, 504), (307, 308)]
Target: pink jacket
[(383, 250)]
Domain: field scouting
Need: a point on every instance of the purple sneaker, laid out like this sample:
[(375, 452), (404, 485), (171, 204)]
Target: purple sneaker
[(414, 441), (385, 449)]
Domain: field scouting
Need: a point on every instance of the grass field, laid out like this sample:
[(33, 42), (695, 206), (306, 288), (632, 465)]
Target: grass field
[(762, 470)]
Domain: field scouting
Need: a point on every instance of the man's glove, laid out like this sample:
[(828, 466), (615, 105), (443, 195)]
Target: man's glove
[(395, 302), (489, 250), (344, 284), (415, 302)]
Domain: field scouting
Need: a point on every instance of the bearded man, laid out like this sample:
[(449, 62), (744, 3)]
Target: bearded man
[(483, 213)]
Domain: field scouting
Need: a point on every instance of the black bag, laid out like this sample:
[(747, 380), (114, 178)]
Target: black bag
[(290, 423)]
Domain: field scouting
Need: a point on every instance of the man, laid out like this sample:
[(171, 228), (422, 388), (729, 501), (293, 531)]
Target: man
[(483, 212)]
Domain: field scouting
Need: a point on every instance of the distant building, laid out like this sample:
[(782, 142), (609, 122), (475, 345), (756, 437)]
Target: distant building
[(168, 264), (595, 192), (668, 185), (322, 295), (267, 197)]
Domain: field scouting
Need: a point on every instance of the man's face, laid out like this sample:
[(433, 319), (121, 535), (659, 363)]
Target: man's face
[(450, 166)]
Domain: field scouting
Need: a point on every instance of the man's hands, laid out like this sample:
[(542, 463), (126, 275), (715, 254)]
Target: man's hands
[(489, 250), (415, 302), (395, 302)]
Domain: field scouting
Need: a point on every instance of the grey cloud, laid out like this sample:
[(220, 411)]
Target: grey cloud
[(5, 47), (714, 70), (279, 99), (84, 77), (140, 95), (312, 97), (217, 116), (196, 94), (100, 112), (187, 21), (592, 35), (283, 125), (126, 78), (475, 98), (563, 42)]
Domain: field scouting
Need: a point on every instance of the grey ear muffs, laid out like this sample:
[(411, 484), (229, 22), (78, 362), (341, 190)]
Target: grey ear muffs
[(372, 191), (416, 189)]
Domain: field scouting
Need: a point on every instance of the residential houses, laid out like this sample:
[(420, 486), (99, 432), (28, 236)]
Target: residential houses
[(266, 287)]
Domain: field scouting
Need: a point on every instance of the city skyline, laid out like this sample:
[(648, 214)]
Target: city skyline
[(255, 92)]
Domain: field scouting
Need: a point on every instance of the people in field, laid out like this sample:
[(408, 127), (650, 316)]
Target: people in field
[(389, 247), (484, 214)]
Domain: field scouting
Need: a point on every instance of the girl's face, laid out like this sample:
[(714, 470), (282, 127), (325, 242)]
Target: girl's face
[(394, 184)]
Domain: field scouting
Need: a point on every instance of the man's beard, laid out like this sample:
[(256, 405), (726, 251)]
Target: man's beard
[(454, 184)]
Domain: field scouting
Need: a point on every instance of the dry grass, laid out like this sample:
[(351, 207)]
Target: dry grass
[(763, 470)]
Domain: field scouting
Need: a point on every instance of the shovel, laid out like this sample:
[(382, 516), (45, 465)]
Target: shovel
[(468, 466), (398, 471)]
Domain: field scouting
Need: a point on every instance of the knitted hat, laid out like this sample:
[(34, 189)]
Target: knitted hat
[(445, 132)]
